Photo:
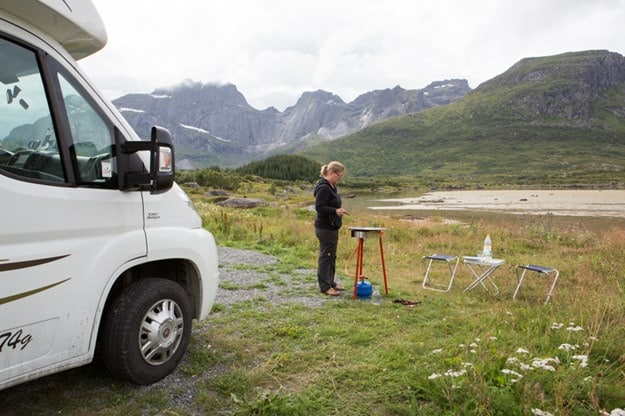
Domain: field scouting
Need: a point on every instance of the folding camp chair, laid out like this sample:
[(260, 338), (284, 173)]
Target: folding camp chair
[(541, 270), (452, 263)]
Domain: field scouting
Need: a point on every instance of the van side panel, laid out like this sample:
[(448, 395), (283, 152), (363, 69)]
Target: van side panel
[(56, 246)]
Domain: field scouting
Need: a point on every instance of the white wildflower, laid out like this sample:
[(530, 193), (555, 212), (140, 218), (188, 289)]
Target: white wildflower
[(567, 347), (434, 376), (451, 373), (522, 351), (617, 412), (556, 325), (436, 351), (539, 412), (543, 363), (574, 328), (512, 372), (583, 360), (473, 345)]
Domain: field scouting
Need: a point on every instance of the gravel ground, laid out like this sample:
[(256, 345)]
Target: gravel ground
[(300, 286)]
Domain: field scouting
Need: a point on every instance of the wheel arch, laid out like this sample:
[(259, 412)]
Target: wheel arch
[(181, 271)]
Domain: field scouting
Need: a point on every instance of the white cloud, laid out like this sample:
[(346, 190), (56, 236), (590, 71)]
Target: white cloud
[(273, 51)]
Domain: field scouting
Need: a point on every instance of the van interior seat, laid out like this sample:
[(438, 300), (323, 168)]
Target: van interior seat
[(49, 163)]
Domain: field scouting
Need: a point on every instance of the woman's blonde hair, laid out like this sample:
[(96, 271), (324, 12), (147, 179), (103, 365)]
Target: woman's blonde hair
[(333, 166)]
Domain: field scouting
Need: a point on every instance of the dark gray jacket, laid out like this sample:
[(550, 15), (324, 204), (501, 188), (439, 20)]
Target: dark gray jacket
[(327, 200)]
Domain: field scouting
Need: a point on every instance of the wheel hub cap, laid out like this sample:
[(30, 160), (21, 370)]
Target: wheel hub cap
[(161, 332)]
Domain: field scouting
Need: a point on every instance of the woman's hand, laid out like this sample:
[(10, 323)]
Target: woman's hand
[(341, 211)]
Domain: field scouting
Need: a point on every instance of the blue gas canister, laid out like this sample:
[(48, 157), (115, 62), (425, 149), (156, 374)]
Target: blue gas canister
[(364, 289)]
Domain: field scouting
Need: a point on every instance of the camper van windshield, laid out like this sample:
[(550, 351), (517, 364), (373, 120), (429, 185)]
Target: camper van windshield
[(25, 122), (24, 107)]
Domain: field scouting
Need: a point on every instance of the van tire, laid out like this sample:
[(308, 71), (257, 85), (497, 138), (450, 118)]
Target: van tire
[(129, 328)]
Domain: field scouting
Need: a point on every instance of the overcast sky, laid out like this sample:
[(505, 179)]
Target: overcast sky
[(274, 50)]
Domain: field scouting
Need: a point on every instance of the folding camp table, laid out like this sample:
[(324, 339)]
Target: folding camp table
[(482, 268)]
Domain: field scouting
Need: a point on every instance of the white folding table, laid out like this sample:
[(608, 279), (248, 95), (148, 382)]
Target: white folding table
[(482, 268)]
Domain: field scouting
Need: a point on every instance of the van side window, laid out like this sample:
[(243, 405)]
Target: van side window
[(28, 140), (92, 137)]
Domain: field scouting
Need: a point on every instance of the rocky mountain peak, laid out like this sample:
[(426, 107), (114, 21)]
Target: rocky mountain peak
[(217, 118), (319, 96), (203, 94), (563, 85)]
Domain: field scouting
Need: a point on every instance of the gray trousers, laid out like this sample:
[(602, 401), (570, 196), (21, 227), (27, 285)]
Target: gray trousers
[(326, 263)]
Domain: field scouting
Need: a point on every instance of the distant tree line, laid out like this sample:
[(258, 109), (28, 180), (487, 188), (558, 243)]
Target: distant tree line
[(283, 167), (214, 177)]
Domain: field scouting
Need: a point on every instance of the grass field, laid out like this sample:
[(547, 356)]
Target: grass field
[(456, 353)]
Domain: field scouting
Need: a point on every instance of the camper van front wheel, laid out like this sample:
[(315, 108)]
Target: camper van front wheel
[(147, 331)]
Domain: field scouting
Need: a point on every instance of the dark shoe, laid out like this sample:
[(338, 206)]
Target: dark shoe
[(332, 292)]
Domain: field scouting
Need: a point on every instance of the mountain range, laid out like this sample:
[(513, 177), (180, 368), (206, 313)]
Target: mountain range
[(213, 125), (552, 119), (548, 120)]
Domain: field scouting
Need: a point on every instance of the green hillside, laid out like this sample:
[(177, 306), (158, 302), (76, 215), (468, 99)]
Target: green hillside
[(550, 120)]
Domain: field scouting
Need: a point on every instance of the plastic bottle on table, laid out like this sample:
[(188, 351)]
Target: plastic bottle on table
[(488, 247)]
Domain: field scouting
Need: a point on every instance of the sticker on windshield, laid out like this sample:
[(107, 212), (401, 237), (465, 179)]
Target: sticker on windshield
[(107, 170)]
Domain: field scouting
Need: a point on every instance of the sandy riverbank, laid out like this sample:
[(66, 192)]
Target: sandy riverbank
[(603, 203)]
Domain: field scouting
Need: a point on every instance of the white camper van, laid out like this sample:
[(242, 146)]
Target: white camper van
[(99, 248)]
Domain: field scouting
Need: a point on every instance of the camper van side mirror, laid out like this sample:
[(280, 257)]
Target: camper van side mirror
[(132, 176)]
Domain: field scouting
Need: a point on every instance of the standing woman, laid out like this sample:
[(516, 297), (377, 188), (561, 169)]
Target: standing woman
[(329, 220)]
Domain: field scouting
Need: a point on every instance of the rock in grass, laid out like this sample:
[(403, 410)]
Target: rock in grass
[(242, 202)]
